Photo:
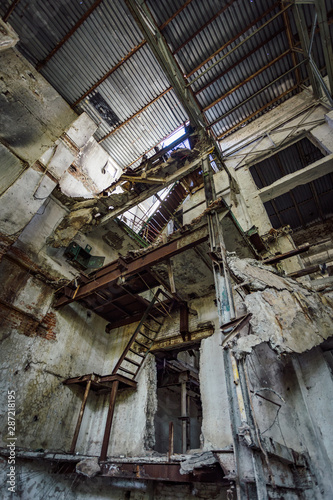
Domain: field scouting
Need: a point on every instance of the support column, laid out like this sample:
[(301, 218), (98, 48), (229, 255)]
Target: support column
[(250, 481), (109, 419), (184, 416), (80, 417)]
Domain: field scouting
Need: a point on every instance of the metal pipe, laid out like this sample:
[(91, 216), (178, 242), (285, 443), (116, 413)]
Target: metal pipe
[(313, 30), (184, 415), (320, 80)]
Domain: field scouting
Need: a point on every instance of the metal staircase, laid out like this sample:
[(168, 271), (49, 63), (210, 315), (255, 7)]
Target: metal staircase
[(162, 215), (143, 338), (127, 368)]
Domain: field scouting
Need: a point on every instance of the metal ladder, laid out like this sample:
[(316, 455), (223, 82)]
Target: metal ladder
[(143, 338)]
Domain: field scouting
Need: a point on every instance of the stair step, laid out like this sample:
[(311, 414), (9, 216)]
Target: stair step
[(136, 353), (146, 336), (150, 329), (132, 361), (126, 371), (153, 318), (142, 345)]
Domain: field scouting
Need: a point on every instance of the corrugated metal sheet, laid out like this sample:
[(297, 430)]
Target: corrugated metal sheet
[(110, 33)]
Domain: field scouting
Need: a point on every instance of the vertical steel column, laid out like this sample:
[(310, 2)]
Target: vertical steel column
[(250, 480), (109, 419), (79, 420), (183, 411)]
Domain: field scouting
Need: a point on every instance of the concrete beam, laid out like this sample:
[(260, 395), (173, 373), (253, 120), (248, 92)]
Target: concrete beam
[(288, 182)]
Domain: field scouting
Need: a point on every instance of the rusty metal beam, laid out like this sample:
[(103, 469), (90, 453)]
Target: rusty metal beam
[(167, 471), (109, 73), (110, 274), (126, 57), (255, 94), (287, 255), (239, 61), (76, 26), (80, 417), (187, 2), (109, 419), (135, 114), (228, 4), (10, 10), (248, 79), (252, 115), (229, 42)]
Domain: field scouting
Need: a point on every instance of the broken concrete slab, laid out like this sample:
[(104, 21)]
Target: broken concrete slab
[(88, 467), (288, 316), (197, 461)]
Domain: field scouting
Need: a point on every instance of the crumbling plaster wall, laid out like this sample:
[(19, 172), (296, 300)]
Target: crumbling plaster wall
[(34, 366), (291, 396), (40, 138)]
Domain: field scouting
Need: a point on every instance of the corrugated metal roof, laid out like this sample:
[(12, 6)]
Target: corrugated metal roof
[(110, 33)]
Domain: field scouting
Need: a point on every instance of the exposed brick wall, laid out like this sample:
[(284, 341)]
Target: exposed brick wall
[(5, 243), (13, 318)]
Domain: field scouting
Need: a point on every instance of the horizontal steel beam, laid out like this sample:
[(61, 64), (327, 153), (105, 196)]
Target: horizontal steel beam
[(111, 273)]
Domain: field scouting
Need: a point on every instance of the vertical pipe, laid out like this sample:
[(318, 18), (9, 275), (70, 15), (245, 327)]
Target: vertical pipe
[(171, 441), (109, 419), (184, 416), (79, 420)]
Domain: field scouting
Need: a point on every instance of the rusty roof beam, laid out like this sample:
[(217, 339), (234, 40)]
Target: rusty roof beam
[(239, 61), (187, 2), (220, 75), (135, 114), (252, 115), (254, 95), (229, 42), (204, 26), (109, 73), (118, 64), (248, 79), (10, 10), (76, 26)]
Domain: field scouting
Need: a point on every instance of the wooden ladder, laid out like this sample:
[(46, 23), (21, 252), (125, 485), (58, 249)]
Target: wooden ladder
[(134, 354)]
